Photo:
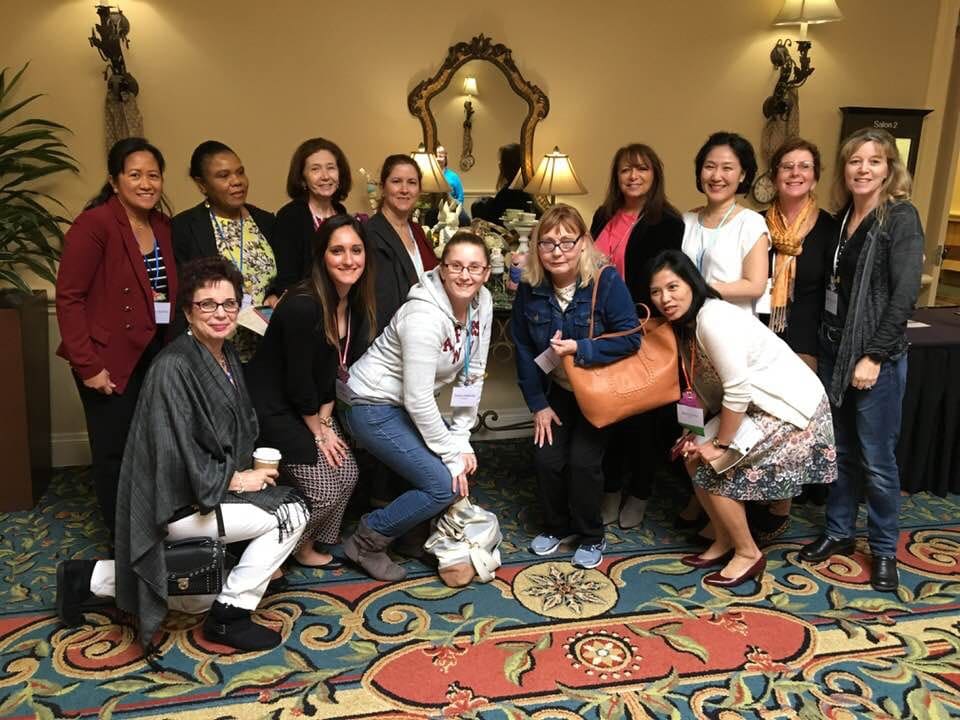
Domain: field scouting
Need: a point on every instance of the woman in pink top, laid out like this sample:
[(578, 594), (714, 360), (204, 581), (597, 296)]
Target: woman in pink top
[(634, 224)]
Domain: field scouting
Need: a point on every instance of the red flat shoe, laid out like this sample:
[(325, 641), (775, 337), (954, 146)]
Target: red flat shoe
[(754, 571), (698, 561)]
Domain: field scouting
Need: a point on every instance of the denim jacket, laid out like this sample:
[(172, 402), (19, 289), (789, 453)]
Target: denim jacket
[(537, 316)]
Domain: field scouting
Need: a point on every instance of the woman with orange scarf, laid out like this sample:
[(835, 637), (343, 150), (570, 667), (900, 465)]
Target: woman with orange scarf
[(800, 234)]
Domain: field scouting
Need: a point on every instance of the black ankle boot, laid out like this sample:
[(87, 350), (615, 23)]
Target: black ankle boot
[(234, 627), (73, 590)]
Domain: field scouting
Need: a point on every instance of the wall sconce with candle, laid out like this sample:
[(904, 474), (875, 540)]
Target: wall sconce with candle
[(467, 160)]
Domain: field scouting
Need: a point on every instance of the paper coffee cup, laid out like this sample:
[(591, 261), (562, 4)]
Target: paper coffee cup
[(266, 457)]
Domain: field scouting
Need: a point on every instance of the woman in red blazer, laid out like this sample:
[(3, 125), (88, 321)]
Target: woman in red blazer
[(116, 280)]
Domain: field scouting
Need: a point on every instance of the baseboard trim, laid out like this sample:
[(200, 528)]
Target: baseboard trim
[(69, 449)]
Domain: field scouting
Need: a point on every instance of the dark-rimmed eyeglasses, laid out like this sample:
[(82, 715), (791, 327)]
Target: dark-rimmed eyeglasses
[(210, 306), (565, 245), (473, 269)]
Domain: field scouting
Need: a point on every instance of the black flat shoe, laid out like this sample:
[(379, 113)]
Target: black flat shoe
[(73, 591), (333, 564), (681, 523), (883, 574), (717, 579), (823, 547)]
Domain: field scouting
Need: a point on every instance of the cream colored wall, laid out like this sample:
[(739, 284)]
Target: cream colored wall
[(263, 76)]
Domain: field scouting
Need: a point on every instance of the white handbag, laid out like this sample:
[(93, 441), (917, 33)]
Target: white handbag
[(466, 541)]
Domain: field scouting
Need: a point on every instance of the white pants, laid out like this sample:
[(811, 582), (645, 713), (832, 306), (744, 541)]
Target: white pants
[(247, 582)]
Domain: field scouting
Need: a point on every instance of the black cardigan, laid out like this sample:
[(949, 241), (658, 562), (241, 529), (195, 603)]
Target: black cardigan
[(394, 268), (645, 242), (193, 236), (294, 371), (293, 241)]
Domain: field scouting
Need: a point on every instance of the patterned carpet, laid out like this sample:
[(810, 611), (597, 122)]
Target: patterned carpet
[(639, 637)]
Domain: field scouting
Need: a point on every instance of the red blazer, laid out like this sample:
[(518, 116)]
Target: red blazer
[(104, 299)]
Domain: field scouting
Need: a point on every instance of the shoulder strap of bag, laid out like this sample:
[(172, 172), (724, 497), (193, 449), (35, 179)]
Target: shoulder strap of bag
[(221, 532), (593, 308)]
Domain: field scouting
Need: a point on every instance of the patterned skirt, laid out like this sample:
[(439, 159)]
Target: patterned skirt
[(777, 467)]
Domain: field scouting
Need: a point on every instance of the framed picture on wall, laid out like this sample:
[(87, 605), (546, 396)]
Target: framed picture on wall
[(904, 124)]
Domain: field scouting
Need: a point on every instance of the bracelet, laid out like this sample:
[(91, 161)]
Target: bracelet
[(719, 445), (327, 421), (240, 491)]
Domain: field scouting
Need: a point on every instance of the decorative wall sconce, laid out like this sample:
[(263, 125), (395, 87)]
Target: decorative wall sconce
[(467, 160), (114, 31), (792, 75), (555, 176), (432, 174)]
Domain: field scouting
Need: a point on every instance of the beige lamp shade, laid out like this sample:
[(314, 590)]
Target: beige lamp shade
[(433, 180), (807, 12), (470, 86), (555, 176)]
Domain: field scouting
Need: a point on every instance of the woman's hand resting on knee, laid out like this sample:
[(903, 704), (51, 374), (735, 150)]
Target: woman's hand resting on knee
[(253, 480)]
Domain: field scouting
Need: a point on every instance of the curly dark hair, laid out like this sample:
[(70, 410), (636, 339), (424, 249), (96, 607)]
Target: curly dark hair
[(202, 272)]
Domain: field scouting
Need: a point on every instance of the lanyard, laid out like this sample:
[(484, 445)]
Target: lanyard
[(693, 365), (703, 245), (840, 244), (469, 341), (223, 238), (342, 353)]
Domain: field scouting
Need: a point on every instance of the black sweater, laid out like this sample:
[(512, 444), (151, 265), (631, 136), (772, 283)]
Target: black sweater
[(645, 242), (293, 241)]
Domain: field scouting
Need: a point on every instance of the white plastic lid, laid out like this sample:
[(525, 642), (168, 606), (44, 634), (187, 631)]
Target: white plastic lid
[(266, 453)]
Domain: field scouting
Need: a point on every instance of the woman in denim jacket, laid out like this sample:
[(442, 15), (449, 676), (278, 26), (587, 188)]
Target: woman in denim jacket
[(872, 288), (551, 316)]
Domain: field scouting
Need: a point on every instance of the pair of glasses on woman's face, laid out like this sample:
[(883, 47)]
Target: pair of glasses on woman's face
[(210, 306), (473, 269), (565, 244), (789, 167)]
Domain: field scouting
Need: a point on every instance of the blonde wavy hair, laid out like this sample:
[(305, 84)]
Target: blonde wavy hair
[(591, 260), (898, 182)]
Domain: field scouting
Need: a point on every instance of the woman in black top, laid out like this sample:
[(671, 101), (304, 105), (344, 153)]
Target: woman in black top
[(507, 198), (801, 235), (634, 224), (318, 182), (317, 330)]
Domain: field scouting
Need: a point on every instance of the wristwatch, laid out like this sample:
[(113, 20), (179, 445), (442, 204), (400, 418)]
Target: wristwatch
[(719, 445)]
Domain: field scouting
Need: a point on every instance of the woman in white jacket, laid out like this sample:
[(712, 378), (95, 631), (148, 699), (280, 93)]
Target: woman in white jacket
[(773, 431), (439, 336)]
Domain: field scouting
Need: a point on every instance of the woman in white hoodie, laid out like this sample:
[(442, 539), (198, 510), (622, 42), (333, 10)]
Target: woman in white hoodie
[(438, 337)]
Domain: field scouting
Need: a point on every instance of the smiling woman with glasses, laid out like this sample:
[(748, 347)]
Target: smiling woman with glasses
[(439, 337), (187, 473), (551, 314)]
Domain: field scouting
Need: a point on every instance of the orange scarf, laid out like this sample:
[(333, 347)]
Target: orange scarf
[(788, 244)]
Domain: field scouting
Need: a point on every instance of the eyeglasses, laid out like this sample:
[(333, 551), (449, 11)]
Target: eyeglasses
[(473, 269), (565, 245), (790, 167), (210, 306)]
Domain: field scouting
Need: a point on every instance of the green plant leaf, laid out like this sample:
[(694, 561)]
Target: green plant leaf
[(263, 676), (433, 592)]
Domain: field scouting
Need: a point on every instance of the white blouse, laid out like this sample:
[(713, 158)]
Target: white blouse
[(719, 252)]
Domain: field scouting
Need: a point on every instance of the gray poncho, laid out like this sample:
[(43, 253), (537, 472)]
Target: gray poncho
[(191, 431)]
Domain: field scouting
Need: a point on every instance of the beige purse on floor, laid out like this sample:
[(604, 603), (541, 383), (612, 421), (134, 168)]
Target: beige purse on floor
[(465, 541)]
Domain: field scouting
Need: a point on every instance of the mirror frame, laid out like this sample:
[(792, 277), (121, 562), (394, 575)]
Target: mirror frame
[(480, 48)]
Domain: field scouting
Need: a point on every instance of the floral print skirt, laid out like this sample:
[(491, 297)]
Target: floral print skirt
[(777, 467)]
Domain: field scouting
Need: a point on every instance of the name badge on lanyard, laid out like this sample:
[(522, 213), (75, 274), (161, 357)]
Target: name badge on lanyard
[(467, 394), (161, 312), (831, 302), (689, 410)]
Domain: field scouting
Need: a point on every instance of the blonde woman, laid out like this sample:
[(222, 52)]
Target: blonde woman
[(873, 283), (551, 315)]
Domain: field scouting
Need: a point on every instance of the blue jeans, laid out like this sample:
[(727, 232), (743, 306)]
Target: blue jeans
[(867, 427), (390, 435)]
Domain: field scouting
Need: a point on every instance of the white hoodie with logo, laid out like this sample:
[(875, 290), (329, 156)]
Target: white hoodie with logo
[(417, 354)]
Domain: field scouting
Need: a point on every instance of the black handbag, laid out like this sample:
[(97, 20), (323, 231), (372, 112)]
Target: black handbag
[(197, 565)]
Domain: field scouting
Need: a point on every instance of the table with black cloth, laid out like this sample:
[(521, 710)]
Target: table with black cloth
[(929, 450)]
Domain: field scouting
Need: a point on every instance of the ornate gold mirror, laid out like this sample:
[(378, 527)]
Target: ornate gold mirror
[(499, 102)]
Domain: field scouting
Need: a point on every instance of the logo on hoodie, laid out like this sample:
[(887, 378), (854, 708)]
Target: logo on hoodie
[(454, 346)]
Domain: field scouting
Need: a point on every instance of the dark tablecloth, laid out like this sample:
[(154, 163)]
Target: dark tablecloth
[(929, 448)]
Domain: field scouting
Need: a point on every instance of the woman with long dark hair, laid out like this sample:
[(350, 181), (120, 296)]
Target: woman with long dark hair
[(769, 431), (635, 222), (319, 328), (114, 286)]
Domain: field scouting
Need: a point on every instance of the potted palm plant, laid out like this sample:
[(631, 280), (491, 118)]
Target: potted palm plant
[(31, 234)]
